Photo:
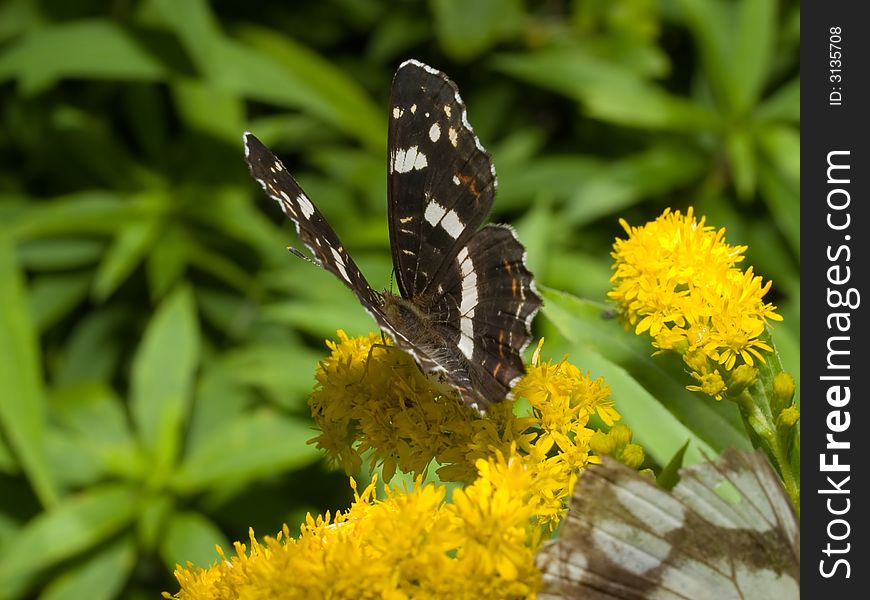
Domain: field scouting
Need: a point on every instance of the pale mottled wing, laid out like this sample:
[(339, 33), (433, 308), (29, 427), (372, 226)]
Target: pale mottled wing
[(313, 229), (441, 181), (726, 531)]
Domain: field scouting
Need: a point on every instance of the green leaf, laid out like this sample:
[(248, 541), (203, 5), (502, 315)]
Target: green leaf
[(166, 262), (782, 198), (559, 176), (751, 61), (736, 42), (653, 426), (782, 145), (244, 449), (157, 511), (669, 476), (241, 215), (651, 394), (93, 348), (610, 92), (192, 537), (59, 253), (782, 105), (466, 29), (76, 524), (99, 212), (208, 110), (52, 297), (86, 49), (626, 181), (310, 82), (743, 163), (77, 408), (75, 463), (100, 576), (81, 454), (22, 403), (536, 230), (218, 402), (284, 371), (163, 375), (130, 246), (297, 77)]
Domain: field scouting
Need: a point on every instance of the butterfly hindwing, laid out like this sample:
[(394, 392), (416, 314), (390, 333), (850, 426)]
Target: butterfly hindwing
[(441, 181), (488, 295)]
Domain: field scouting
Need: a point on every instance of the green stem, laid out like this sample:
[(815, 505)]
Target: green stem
[(764, 434)]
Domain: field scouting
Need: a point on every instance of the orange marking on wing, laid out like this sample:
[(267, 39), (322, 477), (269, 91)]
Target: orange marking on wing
[(469, 183)]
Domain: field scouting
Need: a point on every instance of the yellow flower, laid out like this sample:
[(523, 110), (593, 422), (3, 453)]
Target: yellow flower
[(414, 544), (712, 384), (677, 278)]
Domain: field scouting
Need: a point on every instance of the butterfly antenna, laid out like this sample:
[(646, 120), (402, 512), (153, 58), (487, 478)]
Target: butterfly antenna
[(295, 252)]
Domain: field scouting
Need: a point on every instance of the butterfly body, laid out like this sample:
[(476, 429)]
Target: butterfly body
[(466, 298)]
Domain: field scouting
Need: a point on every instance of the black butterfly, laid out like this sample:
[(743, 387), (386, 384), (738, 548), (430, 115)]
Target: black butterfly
[(466, 296)]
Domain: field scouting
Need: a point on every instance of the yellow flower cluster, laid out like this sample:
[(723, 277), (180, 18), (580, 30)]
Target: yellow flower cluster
[(414, 543), (372, 400), (677, 279)]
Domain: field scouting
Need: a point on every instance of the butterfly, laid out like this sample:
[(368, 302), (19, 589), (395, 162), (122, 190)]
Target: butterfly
[(726, 531), (466, 297)]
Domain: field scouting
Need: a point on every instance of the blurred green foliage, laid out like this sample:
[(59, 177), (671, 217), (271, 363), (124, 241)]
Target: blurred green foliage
[(157, 342)]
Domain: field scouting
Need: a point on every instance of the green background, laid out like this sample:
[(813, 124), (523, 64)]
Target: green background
[(157, 340)]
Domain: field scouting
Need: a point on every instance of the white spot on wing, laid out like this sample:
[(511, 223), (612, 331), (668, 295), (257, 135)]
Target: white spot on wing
[(339, 263), (398, 112), (404, 161), (449, 220), (434, 212), (454, 137), (467, 304), (435, 132), (466, 345), (456, 180), (305, 205), (451, 224)]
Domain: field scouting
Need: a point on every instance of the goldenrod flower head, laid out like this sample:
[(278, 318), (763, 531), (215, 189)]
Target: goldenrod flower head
[(410, 545), (742, 377), (711, 384), (678, 279), (372, 398), (617, 443), (788, 417), (783, 389), (519, 471)]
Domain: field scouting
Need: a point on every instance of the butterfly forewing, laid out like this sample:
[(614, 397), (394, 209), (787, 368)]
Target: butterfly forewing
[(314, 231), (440, 179)]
